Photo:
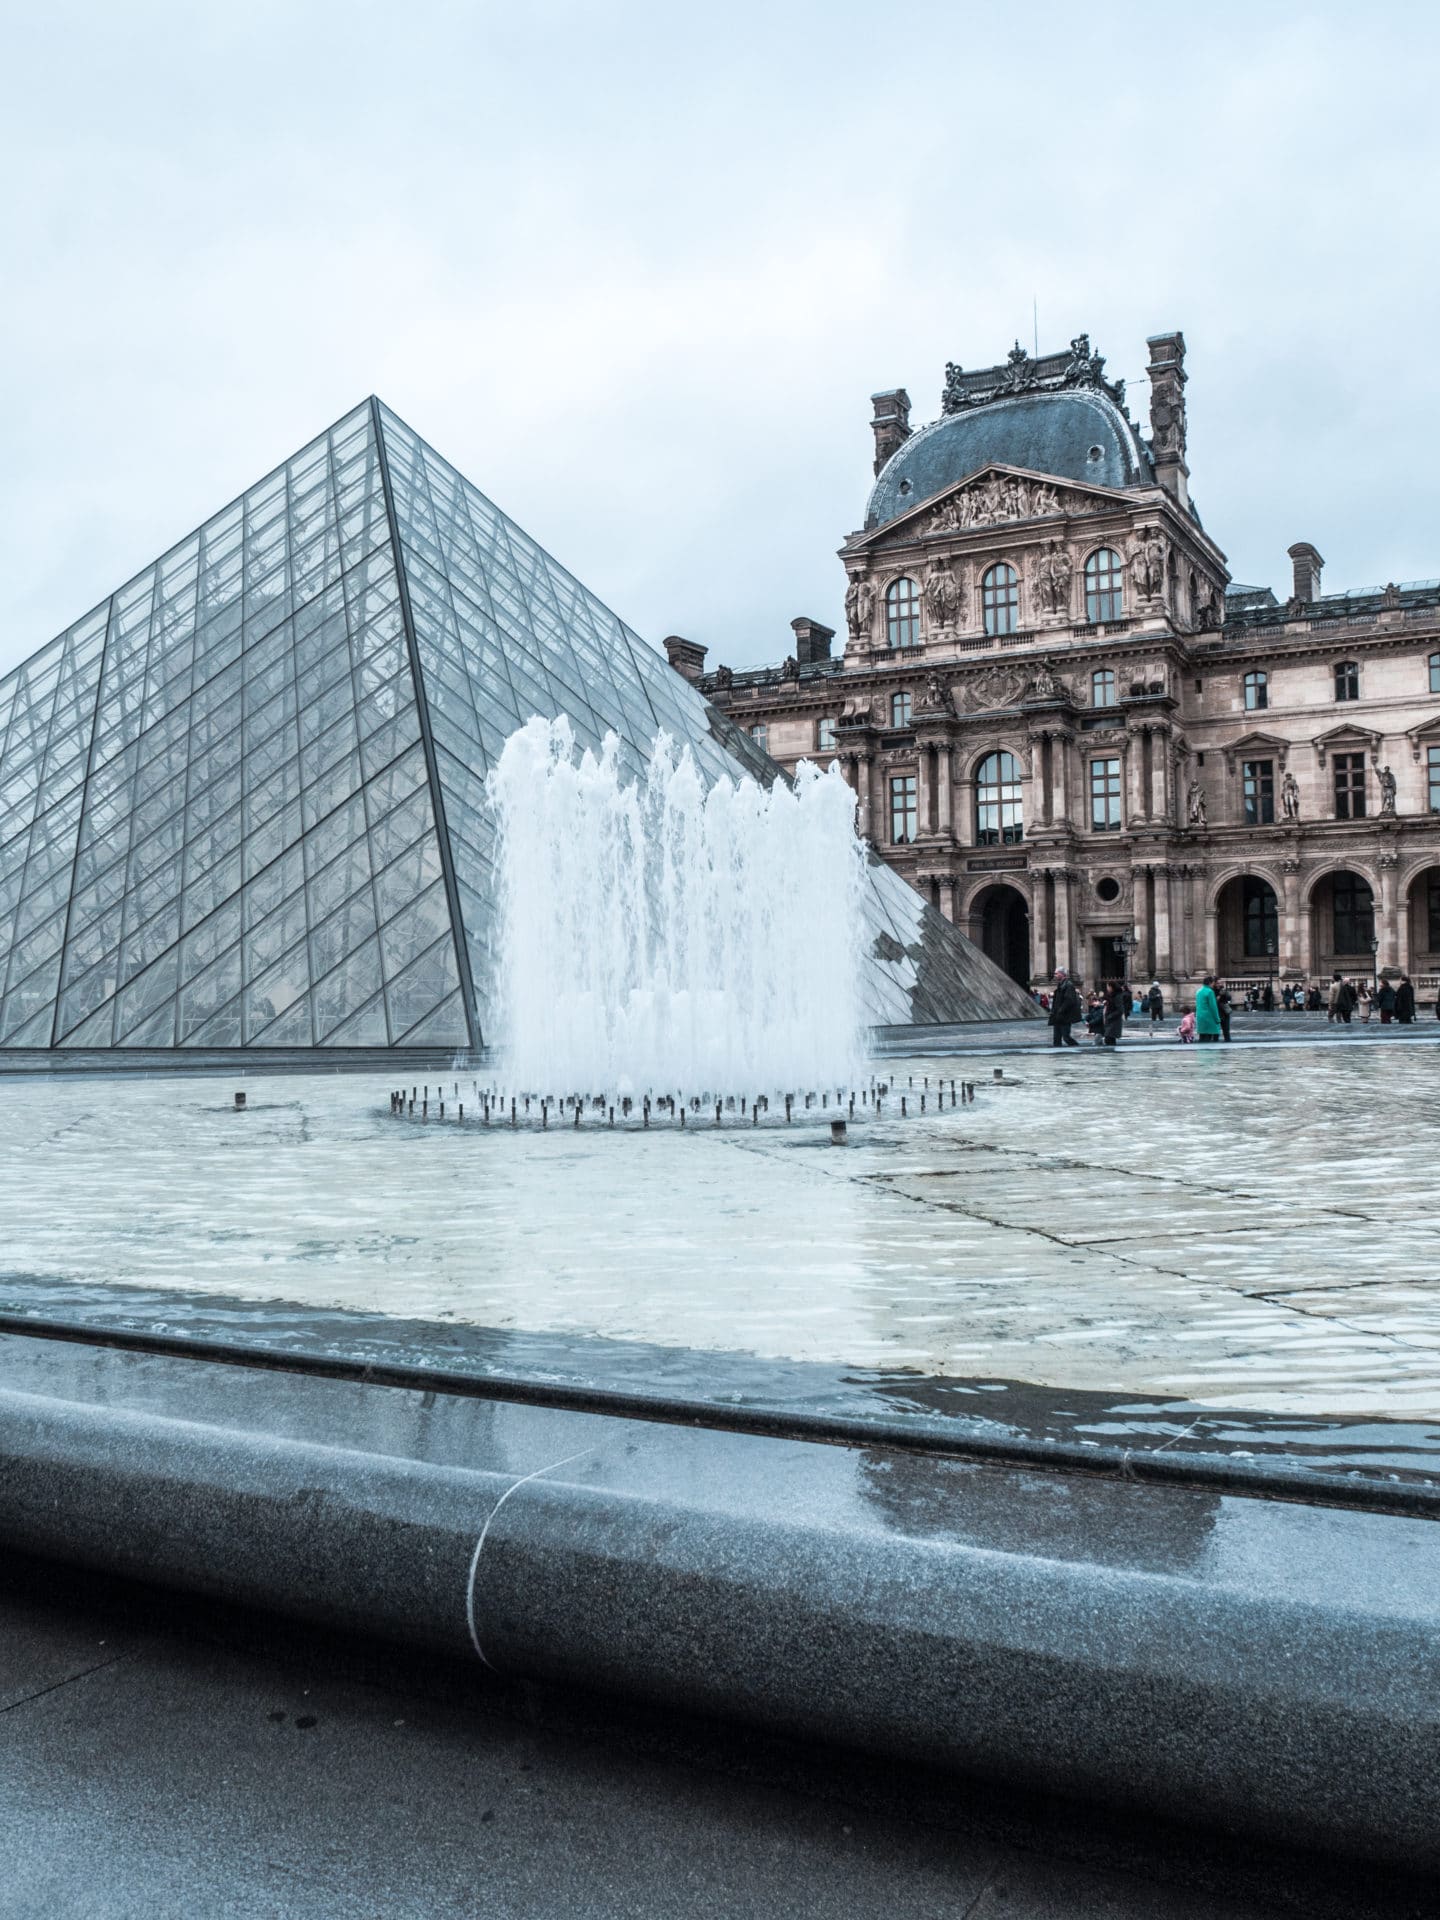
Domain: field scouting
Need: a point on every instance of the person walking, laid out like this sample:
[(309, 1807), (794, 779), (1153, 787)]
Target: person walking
[(1207, 1013), (1363, 1004), (1222, 1001), (1385, 1000), (1344, 1001), (1155, 1002), (1333, 1010), (1117, 1000), (1405, 1002), (1065, 1009)]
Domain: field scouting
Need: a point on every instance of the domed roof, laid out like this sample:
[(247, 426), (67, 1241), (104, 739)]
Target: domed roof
[(1074, 434)]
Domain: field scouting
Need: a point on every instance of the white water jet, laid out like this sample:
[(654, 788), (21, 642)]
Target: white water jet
[(662, 935)]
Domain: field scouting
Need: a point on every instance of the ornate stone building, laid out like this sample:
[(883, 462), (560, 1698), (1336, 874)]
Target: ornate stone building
[(1070, 730)]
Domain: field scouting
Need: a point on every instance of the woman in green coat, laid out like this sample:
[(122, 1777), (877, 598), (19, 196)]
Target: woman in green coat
[(1207, 1011)]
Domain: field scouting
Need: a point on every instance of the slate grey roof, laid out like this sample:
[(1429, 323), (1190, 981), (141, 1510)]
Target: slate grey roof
[(1075, 434)]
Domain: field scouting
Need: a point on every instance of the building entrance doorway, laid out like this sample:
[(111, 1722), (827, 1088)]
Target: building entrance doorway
[(1109, 958), (1000, 927)]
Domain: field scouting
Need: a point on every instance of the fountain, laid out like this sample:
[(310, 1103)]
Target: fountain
[(660, 933)]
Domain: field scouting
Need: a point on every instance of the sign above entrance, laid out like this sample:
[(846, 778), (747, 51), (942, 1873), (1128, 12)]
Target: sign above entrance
[(1003, 863)]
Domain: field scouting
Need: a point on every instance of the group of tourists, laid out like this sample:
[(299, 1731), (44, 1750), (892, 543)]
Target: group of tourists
[(1105, 1010)]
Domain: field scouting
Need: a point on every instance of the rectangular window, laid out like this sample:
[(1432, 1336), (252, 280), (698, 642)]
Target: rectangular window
[(1105, 795), (1349, 786), (902, 810), (899, 709), (825, 735), (1432, 768), (1259, 793), (760, 734)]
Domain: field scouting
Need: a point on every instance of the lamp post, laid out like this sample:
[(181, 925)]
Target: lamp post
[(1129, 941), (1270, 947)]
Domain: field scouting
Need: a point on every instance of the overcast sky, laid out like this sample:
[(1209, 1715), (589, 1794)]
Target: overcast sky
[(637, 268)]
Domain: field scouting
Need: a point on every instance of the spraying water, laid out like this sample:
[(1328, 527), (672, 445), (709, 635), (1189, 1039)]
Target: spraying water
[(662, 934)]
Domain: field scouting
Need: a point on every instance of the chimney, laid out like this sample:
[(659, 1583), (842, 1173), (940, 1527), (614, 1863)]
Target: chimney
[(686, 656), (812, 641), (891, 424), (1307, 564), (1167, 413)]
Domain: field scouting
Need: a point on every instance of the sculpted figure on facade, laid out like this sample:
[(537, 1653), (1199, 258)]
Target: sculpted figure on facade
[(1019, 375), (724, 679), (1046, 684), (1290, 797), (1195, 804), (1006, 497), (936, 696), (1083, 368), (1147, 567), (944, 600), (1387, 789), (859, 604), (1052, 579)]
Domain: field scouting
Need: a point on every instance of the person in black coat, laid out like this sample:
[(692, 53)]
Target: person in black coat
[(1222, 1000), (1065, 1010), (1405, 1001), (1117, 999)]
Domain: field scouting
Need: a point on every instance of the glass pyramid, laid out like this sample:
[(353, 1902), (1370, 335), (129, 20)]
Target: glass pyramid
[(242, 803)]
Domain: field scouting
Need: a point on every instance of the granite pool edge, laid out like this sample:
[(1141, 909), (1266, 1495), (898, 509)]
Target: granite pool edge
[(1313, 1721)]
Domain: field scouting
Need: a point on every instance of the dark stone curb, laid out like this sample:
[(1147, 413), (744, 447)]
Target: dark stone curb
[(1260, 1666)]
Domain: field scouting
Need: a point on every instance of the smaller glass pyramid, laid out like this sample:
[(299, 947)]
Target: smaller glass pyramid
[(242, 802)]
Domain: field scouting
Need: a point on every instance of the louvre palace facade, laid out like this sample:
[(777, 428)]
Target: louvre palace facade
[(1077, 737)]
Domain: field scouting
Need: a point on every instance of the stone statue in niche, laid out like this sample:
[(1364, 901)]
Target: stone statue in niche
[(1052, 579), (944, 601), (1195, 804), (1147, 567), (1290, 797), (1387, 789), (859, 604)]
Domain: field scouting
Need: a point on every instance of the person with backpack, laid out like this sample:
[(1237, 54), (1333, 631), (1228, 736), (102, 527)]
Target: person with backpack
[(1155, 1004)]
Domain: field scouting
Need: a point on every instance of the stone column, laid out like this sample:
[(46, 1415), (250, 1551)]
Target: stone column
[(923, 823), (948, 888), (1064, 956), (1164, 954), (1293, 959), (1047, 928), (1043, 782), (1388, 930), (862, 788), (944, 794), (1060, 767)]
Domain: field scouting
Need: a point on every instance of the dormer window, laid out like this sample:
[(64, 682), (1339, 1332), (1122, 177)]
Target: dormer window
[(1104, 586), (1000, 599), (902, 613)]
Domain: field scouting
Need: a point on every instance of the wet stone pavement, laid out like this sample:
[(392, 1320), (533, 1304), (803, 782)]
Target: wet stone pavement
[(1252, 1226)]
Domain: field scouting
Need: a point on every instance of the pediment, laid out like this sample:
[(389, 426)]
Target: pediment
[(1427, 734), (997, 495), (1347, 737), (1253, 744)]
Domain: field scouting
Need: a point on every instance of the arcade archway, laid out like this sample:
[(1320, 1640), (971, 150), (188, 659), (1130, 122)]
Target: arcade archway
[(1000, 927)]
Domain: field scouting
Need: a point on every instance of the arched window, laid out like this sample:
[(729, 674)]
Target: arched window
[(1347, 680), (1104, 586), (1102, 687), (1000, 599), (1435, 673), (899, 709), (1257, 692), (902, 613), (998, 817)]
